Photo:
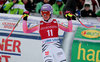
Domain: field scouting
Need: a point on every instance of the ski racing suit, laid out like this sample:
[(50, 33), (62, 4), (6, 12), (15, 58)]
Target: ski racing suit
[(51, 47)]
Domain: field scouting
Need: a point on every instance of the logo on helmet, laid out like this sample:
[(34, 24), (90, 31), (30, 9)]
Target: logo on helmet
[(44, 7)]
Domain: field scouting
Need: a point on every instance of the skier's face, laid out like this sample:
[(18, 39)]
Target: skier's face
[(45, 15)]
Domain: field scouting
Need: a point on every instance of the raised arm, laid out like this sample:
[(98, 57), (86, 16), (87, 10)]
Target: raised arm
[(29, 30), (69, 16), (25, 27), (67, 29)]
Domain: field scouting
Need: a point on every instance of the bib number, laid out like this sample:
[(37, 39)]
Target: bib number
[(50, 32)]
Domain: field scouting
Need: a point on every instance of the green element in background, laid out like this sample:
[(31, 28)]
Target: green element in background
[(85, 51), (80, 29)]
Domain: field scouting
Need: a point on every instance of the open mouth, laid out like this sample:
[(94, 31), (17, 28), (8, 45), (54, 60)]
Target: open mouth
[(45, 17)]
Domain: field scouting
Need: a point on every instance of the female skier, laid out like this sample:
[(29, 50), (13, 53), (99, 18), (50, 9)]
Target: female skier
[(48, 29)]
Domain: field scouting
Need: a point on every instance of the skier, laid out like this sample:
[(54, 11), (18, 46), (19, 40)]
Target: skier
[(48, 29)]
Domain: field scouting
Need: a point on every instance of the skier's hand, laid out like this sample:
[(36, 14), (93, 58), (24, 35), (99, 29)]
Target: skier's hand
[(68, 15), (26, 14)]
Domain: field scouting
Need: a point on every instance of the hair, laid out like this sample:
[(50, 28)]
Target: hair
[(87, 5)]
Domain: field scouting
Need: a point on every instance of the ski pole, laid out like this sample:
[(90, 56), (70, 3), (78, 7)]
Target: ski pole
[(83, 24), (14, 27)]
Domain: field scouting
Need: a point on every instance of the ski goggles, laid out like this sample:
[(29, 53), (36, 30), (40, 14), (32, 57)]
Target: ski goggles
[(45, 12)]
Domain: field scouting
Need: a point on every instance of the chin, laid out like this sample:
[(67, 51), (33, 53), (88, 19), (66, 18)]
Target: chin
[(46, 18)]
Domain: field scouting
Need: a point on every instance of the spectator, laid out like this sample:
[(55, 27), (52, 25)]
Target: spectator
[(98, 13), (87, 12), (93, 4), (36, 1), (80, 4), (64, 1), (39, 5), (28, 5), (14, 7), (2, 2), (73, 5), (52, 2), (78, 13), (58, 7), (98, 2)]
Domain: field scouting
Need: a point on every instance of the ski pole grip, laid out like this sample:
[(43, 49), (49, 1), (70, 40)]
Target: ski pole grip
[(23, 16)]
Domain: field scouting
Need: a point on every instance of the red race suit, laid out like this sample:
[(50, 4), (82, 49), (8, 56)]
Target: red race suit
[(48, 29)]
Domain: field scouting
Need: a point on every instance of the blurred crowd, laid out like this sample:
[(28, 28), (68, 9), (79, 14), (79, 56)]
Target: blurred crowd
[(81, 8)]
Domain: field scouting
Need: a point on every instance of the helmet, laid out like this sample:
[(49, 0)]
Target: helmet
[(47, 7)]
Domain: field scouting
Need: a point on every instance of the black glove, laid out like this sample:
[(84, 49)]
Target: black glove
[(68, 15), (26, 14)]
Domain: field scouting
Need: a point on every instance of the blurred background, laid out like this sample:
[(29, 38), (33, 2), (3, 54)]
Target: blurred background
[(78, 7)]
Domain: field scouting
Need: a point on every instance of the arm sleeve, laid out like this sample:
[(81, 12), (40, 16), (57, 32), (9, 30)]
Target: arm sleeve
[(7, 6), (66, 29), (29, 30)]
